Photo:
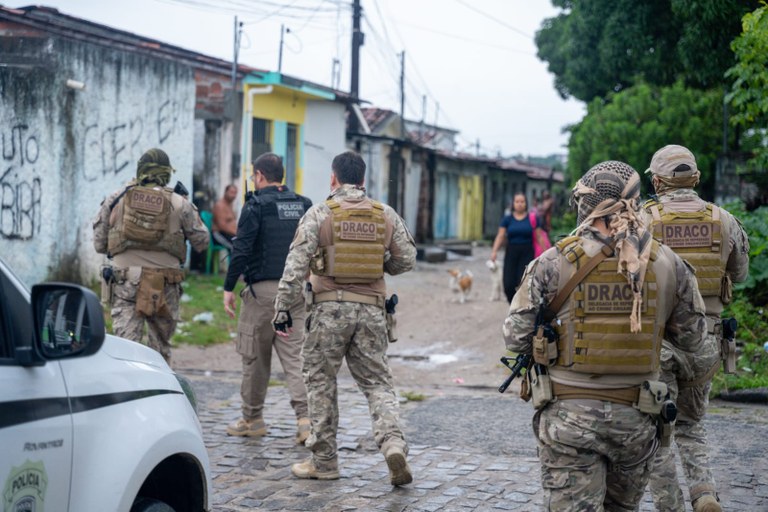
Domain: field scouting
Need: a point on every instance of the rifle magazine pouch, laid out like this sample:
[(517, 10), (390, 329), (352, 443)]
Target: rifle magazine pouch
[(544, 348), (150, 297), (728, 353), (541, 387), (651, 397), (391, 327)]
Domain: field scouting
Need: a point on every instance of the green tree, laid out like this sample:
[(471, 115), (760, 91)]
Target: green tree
[(600, 47), (748, 93), (632, 124)]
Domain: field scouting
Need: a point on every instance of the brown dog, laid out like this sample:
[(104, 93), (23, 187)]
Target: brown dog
[(461, 283)]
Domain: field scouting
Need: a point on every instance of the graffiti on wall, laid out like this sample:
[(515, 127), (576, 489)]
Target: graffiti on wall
[(20, 186), (116, 146)]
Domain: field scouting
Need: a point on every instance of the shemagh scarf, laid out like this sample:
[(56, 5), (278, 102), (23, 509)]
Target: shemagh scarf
[(610, 190)]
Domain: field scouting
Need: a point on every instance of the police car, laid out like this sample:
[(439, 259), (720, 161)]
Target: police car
[(88, 421)]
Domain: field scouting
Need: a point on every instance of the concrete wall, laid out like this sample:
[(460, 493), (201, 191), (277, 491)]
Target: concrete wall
[(324, 138), (65, 150)]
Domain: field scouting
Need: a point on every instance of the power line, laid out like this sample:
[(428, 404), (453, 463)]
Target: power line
[(494, 19)]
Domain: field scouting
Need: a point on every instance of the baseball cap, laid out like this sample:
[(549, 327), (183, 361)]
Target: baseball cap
[(669, 158)]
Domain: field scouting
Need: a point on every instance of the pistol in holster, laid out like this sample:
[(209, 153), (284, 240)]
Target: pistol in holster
[(654, 399), (107, 284), (389, 307), (728, 344)]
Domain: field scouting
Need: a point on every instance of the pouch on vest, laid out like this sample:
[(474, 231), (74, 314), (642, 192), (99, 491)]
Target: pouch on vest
[(145, 215), (541, 386), (545, 345), (150, 297), (726, 289), (651, 397)]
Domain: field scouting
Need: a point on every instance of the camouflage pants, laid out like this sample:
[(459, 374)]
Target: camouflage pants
[(255, 339), (594, 455), (690, 434), (357, 333), (129, 324)]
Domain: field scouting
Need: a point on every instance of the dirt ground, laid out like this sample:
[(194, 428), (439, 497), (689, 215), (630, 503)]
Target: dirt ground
[(442, 343)]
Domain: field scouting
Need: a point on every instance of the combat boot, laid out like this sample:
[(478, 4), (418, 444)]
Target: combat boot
[(307, 469), (245, 428), (707, 503), (399, 470), (302, 433)]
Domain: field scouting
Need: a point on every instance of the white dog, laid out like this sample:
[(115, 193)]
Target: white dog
[(497, 287), (461, 283)]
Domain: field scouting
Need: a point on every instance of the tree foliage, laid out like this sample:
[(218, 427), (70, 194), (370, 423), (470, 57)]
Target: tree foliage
[(750, 82), (598, 47), (631, 125)]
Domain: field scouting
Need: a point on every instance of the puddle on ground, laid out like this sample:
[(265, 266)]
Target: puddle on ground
[(429, 356)]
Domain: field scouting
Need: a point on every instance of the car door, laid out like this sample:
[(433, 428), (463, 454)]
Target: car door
[(35, 419)]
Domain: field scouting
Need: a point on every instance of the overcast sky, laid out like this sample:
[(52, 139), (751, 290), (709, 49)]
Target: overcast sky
[(474, 60)]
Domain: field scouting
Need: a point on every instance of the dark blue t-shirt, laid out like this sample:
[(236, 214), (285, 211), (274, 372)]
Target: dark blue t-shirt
[(519, 232)]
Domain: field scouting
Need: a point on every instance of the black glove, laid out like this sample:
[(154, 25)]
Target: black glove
[(282, 321)]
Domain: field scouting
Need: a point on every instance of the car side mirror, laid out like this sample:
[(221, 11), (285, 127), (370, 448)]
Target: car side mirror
[(68, 320)]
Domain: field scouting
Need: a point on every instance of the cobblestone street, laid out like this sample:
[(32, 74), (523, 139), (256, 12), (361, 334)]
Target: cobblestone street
[(471, 449)]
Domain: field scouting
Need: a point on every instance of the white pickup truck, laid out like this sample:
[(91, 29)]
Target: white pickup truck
[(89, 421)]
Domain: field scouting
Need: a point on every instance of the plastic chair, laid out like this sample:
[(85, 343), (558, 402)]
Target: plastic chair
[(211, 261)]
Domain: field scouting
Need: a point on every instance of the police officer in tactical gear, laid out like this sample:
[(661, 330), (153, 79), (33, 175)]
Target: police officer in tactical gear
[(715, 244), (143, 228), (348, 243), (264, 233), (614, 292)]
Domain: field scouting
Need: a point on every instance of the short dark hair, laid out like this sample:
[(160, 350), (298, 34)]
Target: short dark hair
[(230, 186), (271, 166), (349, 168)]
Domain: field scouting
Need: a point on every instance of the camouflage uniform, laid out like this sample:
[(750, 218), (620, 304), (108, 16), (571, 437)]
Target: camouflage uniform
[(595, 453), (677, 367), (128, 267), (346, 329)]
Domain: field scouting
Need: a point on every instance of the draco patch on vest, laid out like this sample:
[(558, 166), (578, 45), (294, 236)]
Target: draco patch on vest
[(693, 234), (146, 200), (610, 298), (357, 230), (290, 210)]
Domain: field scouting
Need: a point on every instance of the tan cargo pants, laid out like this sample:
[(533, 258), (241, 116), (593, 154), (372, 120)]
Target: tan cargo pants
[(255, 339)]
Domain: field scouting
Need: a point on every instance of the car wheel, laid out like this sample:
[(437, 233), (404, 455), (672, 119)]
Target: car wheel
[(150, 505)]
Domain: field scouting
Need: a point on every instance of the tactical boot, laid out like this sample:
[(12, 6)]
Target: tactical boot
[(707, 503), (304, 426), (307, 469), (245, 428), (399, 470)]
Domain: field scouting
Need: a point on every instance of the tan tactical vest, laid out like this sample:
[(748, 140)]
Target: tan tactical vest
[(697, 237), (356, 254), (145, 222), (595, 335)]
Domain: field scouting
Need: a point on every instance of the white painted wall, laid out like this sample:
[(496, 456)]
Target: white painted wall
[(65, 150), (324, 138)]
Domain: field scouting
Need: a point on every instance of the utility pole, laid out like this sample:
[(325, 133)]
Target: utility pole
[(423, 116), (357, 41), (236, 52), (335, 73), (283, 30), (402, 94)]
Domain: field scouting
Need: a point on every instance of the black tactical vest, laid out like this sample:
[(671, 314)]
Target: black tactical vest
[(279, 213)]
